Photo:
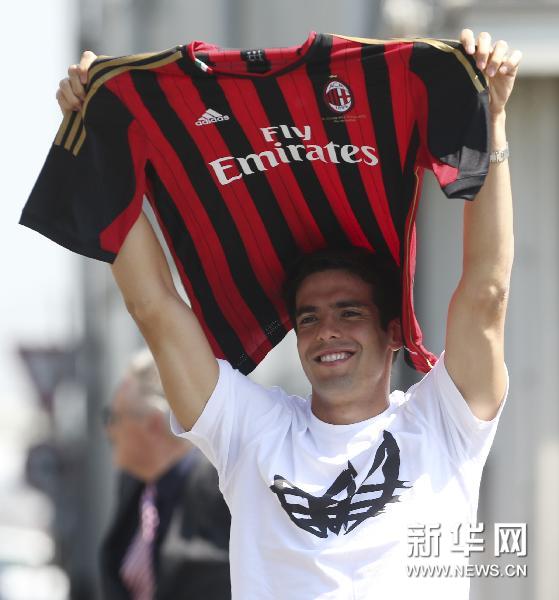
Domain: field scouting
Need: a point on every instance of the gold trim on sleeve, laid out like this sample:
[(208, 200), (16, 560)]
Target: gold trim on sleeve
[(63, 126), (438, 44), (73, 131), (115, 67)]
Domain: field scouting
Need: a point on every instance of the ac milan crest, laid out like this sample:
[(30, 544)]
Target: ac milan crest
[(338, 96)]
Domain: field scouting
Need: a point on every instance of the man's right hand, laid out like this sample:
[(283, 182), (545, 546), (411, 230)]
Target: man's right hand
[(71, 90)]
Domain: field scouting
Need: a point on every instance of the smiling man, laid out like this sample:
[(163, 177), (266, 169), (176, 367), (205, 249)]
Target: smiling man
[(345, 306), (325, 492)]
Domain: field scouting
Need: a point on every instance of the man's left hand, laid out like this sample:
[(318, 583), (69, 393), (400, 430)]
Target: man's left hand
[(498, 62)]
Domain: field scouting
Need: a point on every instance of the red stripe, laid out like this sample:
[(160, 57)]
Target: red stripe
[(113, 236), (295, 86), (186, 102), (422, 359), (197, 221), (250, 114), (361, 133)]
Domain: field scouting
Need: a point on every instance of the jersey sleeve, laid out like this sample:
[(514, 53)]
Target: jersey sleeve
[(238, 413), (89, 192), (439, 404), (451, 103)]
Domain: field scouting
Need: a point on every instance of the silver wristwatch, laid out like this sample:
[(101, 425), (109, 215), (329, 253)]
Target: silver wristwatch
[(499, 156)]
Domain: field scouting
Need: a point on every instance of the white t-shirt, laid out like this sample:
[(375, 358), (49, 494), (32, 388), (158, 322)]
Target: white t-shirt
[(330, 512)]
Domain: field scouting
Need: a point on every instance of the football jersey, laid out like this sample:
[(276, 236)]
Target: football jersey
[(250, 158)]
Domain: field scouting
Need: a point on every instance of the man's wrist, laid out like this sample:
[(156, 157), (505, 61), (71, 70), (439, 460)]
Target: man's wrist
[(498, 117), (498, 132)]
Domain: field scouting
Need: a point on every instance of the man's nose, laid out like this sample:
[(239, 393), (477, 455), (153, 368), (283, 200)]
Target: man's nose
[(328, 328)]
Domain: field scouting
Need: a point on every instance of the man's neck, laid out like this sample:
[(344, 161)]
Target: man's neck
[(345, 408)]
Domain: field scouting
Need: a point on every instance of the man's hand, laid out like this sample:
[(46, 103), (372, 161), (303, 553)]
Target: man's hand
[(71, 90), (497, 61)]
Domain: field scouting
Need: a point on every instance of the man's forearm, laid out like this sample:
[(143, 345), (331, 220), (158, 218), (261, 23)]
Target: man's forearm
[(488, 222), (185, 361)]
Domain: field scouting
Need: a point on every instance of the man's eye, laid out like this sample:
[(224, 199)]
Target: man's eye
[(306, 320), (351, 313)]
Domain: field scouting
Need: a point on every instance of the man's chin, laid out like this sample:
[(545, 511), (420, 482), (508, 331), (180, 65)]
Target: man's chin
[(330, 380)]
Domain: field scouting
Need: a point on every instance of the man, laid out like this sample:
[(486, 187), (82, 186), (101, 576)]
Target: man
[(324, 494), (170, 532)]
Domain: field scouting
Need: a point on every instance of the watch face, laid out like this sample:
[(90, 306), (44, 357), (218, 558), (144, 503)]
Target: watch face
[(499, 156)]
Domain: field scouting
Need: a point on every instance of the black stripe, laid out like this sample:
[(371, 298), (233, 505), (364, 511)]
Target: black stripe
[(276, 109), (379, 92), (186, 252), (225, 228), (258, 187), (457, 132), (319, 73)]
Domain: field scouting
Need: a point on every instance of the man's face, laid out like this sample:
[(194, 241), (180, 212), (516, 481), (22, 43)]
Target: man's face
[(127, 429), (342, 346)]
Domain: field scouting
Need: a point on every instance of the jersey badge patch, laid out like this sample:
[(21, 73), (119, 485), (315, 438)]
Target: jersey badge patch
[(338, 96)]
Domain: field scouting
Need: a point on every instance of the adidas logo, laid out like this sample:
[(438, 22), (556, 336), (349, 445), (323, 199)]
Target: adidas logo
[(211, 116)]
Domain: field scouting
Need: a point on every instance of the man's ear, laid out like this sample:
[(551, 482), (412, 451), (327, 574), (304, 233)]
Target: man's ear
[(395, 339)]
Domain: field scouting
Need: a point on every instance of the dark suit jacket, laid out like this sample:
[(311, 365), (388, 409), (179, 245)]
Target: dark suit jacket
[(191, 546)]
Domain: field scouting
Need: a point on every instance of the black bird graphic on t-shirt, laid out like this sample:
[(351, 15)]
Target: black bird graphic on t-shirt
[(320, 514)]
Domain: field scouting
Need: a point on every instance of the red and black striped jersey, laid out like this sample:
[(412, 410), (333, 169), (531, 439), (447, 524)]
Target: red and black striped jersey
[(251, 157)]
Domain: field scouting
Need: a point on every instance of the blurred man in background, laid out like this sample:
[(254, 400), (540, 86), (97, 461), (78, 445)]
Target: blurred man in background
[(170, 532)]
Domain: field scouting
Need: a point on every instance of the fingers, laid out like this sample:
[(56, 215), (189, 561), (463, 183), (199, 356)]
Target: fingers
[(71, 90), (510, 66), (490, 58), (468, 40), (496, 58), (67, 98), (483, 49), (85, 62), (74, 80)]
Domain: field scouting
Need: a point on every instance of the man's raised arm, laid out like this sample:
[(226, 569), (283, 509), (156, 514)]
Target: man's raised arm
[(474, 354), (188, 368), (185, 361)]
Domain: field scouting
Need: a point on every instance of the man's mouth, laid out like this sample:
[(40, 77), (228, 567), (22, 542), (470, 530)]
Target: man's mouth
[(333, 357)]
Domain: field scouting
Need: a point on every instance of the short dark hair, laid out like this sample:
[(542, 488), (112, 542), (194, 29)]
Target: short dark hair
[(380, 273)]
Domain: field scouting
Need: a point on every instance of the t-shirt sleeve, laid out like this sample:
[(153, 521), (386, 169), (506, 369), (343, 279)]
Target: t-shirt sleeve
[(237, 414), (451, 108), (90, 190), (438, 402)]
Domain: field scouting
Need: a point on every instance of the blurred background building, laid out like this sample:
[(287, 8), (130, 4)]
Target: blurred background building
[(66, 336)]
